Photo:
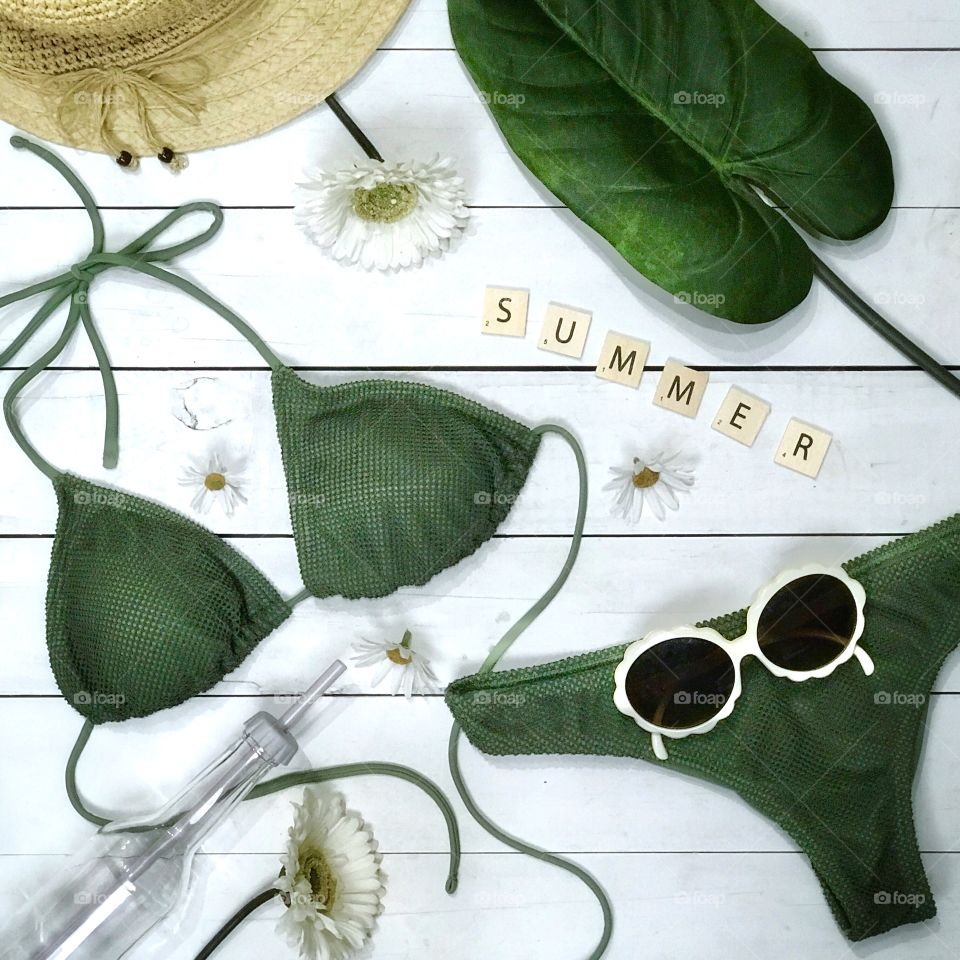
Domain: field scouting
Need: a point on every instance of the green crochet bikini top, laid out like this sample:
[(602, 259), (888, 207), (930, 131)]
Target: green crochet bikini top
[(389, 483)]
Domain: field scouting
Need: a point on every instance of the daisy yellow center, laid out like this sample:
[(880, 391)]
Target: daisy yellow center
[(385, 203), (396, 656), (645, 478), (215, 481), (323, 884)]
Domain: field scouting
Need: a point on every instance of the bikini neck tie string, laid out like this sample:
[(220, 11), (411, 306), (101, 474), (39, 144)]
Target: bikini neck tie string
[(73, 287)]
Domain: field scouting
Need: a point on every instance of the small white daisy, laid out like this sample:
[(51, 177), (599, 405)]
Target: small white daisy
[(411, 671), (654, 482), (331, 882), (214, 480), (383, 215)]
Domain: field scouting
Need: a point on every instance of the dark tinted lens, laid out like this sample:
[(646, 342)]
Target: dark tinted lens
[(681, 682), (807, 623)]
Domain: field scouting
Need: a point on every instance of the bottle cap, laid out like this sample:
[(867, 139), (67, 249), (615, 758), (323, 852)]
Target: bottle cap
[(270, 739)]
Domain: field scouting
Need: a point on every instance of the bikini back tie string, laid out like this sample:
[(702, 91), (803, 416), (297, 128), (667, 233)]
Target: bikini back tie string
[(491, 661), (73, 286)]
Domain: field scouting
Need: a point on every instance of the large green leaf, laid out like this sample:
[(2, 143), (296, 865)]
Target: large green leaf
[(656, 122)]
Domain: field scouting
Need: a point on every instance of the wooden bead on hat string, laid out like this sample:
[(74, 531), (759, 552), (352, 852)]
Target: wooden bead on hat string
[(93, 95), (178, 161), (175, 162)]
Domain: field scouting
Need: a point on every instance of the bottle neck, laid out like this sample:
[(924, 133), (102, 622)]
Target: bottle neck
[(188, 820)]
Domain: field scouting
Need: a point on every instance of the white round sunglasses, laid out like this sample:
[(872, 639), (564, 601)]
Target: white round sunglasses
[(803, 625)]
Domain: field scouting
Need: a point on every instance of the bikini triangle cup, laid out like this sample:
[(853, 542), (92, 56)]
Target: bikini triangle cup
[(389, 483)]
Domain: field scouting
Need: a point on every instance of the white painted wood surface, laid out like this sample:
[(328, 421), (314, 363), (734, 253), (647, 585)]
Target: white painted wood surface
[(691, 869)]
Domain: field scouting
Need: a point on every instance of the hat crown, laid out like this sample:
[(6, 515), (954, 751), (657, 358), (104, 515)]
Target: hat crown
[(80, 18)]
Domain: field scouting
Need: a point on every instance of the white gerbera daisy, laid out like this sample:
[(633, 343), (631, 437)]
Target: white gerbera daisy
[(411, 670), (331, 882), (214, 480), (383, 215), (654, 482)]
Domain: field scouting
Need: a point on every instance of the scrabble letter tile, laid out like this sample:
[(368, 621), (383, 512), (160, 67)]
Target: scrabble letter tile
[(803, 448), (622, 359), (505, 311), (741, 416), (565, 330), (681, 389)]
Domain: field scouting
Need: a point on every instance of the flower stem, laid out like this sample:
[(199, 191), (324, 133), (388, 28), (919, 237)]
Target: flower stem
[(886, 329), (258, 901), (362, 139)]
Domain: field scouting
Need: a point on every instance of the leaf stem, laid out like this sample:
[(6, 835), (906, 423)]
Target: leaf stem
[(362, 139), (258, 901), (886, 329)]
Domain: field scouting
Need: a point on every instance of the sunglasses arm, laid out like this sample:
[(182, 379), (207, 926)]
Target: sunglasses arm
[(864, 659), (656, 741)]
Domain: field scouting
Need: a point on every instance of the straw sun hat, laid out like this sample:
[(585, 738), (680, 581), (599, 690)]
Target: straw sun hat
[(141, 77)]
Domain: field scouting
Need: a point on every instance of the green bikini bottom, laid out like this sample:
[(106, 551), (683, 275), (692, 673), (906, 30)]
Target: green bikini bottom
[(832, 761)]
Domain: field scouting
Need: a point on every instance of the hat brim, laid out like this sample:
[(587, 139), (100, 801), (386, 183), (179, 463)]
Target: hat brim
[(289, 57)]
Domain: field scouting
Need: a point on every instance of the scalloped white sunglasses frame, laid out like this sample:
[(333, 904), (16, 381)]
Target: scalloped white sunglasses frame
[(747, 645)]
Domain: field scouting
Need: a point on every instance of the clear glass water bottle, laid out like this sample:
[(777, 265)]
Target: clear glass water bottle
[(131, 874)]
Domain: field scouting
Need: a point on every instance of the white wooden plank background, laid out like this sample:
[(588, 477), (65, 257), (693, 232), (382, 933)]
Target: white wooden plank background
[(691, 869)]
